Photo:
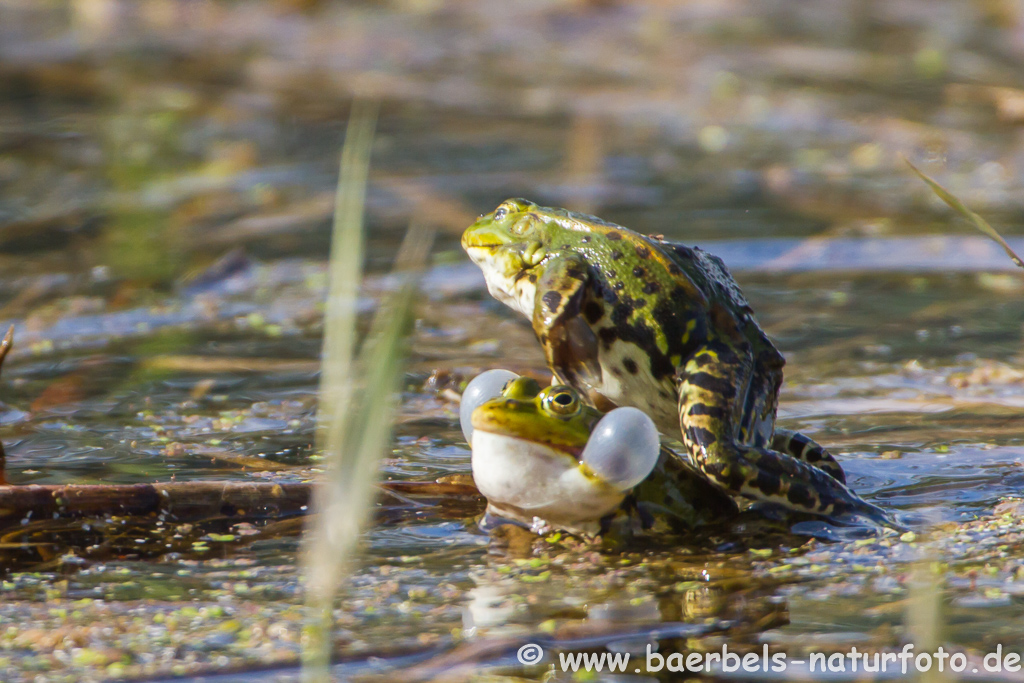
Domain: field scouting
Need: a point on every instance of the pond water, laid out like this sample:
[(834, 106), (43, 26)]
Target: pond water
[(167, 172)]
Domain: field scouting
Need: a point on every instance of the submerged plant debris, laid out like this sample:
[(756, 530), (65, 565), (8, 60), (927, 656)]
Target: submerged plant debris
[(167, 181)]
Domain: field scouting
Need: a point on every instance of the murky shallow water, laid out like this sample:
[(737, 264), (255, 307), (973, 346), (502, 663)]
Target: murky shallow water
[(131, 156)]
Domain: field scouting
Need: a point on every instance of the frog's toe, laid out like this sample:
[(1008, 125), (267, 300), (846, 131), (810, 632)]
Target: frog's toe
[(806, 449), (861, 512)]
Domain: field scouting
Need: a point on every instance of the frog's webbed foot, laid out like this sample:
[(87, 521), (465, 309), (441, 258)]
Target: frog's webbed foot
[(807, 450), (708, 391), (767, 475)]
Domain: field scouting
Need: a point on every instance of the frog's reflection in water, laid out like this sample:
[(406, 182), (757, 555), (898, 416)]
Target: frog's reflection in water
[(591, 593)]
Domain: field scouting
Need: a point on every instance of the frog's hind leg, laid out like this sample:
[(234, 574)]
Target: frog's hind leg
[(708, 387), (806, 449)]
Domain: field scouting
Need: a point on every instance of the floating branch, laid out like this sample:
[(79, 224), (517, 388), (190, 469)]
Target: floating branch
[(194, 500)]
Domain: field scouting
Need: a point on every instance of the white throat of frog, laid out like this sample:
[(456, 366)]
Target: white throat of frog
[(515, 291)]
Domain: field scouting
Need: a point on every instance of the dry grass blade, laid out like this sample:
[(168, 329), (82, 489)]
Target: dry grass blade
[(357, 395), (346, 268), (328, 541), (347, 494), (958, 206)]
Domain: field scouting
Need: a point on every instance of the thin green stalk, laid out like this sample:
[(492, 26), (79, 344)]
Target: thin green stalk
[(346, 274), (326, 545), (357, 397), (961, 208)]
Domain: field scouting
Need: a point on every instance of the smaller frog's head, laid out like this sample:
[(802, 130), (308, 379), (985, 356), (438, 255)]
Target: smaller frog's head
[(543, 453), (507, 243), (553, 416)]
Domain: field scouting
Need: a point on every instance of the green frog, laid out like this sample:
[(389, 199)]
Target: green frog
[(634, 320), (546, 460)]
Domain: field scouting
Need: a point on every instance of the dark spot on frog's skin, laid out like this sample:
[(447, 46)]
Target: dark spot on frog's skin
[(715, 412), (733, 477), (640, 303), (552, 299), (638, 271), (700, 435), (679, 296), (800, 495), (574, 274), (619, 286), (630, 365), (612, 235), (593, 311), (532, 277), (616, 255), (585, 239), (652, 288), (800, 441), (609, 295), (768, 483), (674, 269), (714, 385), (617, 372), (642, 251), (685, 253), (608, 336), (611, 274), (703, 360)]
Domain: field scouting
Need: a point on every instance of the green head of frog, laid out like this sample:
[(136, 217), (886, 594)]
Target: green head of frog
[(544, 458)]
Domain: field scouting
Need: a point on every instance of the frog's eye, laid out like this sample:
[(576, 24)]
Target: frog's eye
[(484, 387), (561, 401), (623, 448), (500, 213)]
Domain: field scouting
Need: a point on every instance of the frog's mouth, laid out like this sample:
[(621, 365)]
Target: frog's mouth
[(527, 445)]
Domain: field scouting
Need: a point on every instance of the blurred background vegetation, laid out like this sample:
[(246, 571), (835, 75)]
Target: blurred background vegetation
[(149, 136)]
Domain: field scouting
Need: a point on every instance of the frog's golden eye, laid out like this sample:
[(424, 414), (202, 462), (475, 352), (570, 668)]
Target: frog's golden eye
[(561, 400)]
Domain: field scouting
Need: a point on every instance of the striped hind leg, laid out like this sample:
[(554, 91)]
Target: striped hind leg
[(808, 450), (707, 392)]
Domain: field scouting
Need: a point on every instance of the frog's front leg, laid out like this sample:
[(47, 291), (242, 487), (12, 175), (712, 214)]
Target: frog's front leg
[(806, 449), (708, 388), (569, 343)]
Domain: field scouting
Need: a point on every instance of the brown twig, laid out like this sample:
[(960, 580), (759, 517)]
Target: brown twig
[(191, 500)]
